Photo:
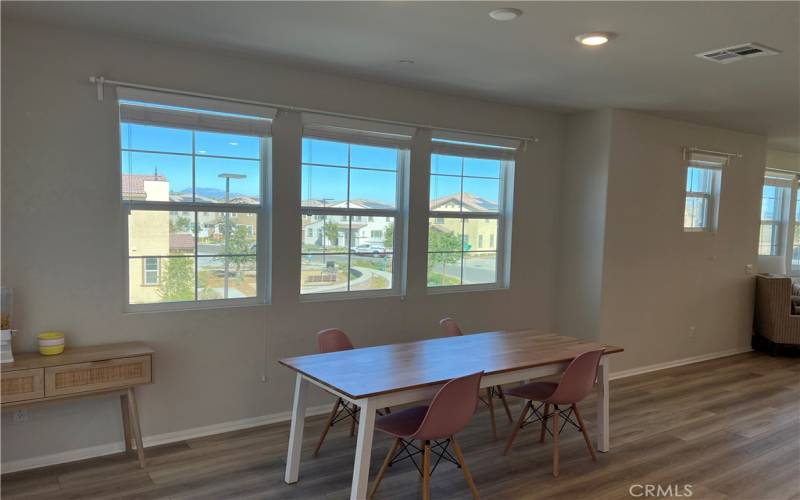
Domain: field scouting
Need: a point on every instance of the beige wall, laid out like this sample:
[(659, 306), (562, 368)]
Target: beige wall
[(62, 240), (629, 275), (659, 281), (582, 223)]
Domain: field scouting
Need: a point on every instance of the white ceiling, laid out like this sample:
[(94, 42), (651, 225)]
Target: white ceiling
[(532, 60)]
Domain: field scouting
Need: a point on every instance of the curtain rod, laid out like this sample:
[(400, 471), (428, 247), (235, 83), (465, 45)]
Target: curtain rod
[(100, 81), (711, 151)]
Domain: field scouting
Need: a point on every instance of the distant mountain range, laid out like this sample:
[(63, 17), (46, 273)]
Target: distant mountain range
[(213, 193)]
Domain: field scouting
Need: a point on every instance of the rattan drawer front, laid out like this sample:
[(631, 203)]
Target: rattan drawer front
[(22, 385), (97, 375)]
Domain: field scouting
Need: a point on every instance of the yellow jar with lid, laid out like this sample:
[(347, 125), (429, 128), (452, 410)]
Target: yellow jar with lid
[(51, 343)]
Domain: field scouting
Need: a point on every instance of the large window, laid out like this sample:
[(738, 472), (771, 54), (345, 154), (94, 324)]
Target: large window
[(352, 205), (471, 180), (193, 189), (703, 183), (779, 234)]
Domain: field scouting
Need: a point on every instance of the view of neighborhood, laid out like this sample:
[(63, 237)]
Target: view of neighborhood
[(187, 255), (165, 246)]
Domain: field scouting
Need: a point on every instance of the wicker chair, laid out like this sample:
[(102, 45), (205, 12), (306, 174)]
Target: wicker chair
[(775, 329)]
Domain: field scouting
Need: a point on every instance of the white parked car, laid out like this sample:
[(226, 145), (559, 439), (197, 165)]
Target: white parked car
[(371, 248)]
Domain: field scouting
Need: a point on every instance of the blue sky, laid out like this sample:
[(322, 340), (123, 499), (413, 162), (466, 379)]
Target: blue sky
[(373, 173)]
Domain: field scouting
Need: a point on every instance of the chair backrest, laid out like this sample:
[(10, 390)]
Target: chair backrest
[(333, 340), (450, 327), (578, 379), (451, 408)]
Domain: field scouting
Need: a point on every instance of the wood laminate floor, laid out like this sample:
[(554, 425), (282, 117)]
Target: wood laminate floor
[(730, 428)]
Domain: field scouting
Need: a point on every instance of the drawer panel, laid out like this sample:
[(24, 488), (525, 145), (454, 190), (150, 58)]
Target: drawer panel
[(21, 385), (97, 375)]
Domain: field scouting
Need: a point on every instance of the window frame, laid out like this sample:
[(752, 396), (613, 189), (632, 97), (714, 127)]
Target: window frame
[(463, 145), (399, 214), (262, 210)]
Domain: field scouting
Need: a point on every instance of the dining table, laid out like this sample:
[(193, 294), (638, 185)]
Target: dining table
[(396, 374)]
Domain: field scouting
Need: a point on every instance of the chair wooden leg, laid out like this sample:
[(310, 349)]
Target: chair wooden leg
[(385, 466), (514, 432), (555, 442), (426, 472), (353, 421), (490, 401), (328, 425), (544, 422), (583, 431), (505, 403), (464, 468)]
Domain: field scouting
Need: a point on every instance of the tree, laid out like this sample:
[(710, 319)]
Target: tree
[(180, 225), (239, 243), (331, 231), (443, 241), (388, 237), (178, 282)]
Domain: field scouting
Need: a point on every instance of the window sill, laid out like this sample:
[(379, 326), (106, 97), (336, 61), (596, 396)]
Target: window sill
[(335, 296), (441, 290), (193, 306)]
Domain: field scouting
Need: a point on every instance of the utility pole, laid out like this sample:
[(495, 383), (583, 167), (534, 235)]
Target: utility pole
[(228, 177)]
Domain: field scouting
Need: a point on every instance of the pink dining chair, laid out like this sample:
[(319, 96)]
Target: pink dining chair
[(451, 329), (576, 383), (448, 413), (335, 340)]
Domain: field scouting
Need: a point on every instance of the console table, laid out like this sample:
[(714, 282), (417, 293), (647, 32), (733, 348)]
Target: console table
[(82, 372)]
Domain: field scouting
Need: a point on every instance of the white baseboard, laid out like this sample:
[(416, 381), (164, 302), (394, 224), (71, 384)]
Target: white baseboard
[(678, 362), (209, 430), (155, 440)]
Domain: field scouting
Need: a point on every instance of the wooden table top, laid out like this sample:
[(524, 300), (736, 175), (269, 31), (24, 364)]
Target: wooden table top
[(371, 371), (30, 360)]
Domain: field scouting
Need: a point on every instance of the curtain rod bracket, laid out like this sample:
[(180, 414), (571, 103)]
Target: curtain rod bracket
[(99, 81)]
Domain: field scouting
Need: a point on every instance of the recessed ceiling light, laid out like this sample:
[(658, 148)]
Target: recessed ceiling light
[(505, 14), (595, 38)]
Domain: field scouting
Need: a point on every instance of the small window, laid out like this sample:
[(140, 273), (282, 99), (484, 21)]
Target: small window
[(703, 182), (471, 180), (151, 271)]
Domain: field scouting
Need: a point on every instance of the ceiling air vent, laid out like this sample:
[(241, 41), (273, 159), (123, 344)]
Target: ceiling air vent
[(737, 53)]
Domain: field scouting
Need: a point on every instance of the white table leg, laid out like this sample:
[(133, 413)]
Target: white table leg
[(296, 432), (602, 406), (366, 428)]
